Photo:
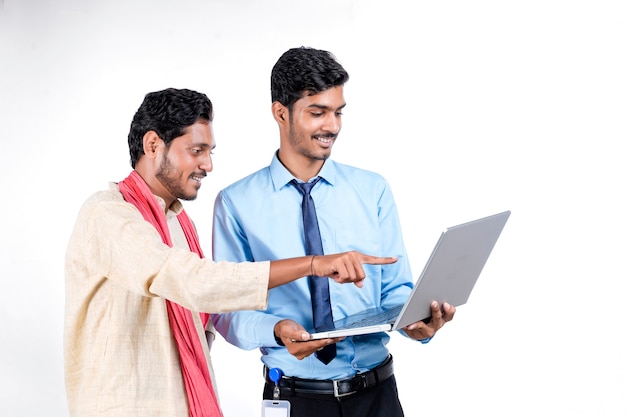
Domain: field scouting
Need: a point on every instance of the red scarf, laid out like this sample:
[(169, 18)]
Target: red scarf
[(200, 394)]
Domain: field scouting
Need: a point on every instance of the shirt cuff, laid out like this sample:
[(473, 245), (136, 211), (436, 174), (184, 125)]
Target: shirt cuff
[(278, 341)]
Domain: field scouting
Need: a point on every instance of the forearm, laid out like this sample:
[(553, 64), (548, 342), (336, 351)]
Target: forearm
[(287, 270)]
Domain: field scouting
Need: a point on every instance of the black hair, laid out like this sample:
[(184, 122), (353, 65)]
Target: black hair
[(305, 70), (168, 113)]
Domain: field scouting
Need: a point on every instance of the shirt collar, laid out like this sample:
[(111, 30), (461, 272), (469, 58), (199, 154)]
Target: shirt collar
[(281, 175)]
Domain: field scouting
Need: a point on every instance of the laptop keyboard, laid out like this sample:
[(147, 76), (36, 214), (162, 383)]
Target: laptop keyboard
[(382, 317)]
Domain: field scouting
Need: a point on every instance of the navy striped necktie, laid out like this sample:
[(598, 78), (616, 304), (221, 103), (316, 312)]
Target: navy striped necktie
[(320, 295)]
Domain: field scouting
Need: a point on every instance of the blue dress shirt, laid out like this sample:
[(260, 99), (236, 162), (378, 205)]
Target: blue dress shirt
[(259, 218)]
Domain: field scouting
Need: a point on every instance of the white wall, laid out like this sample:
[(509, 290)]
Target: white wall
[(467, 107)]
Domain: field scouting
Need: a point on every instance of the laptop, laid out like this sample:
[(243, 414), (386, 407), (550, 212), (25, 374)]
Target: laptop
[(449, 276)]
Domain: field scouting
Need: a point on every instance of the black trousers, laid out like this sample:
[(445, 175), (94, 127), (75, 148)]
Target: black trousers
[(378, 401)]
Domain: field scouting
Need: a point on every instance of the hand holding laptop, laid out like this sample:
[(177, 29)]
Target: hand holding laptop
[(297, 340), (427, 328)]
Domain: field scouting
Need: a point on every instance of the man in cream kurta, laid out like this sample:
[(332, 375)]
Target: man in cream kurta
[(104, 360)]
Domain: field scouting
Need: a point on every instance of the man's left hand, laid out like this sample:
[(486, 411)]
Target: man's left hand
[(426, 329)]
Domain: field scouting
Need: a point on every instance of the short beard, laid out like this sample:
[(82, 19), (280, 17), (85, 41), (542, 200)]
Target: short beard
[(296, 141), (164, 175)]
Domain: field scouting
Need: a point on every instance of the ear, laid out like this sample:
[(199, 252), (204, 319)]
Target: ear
[(280, 113), (151, 143)]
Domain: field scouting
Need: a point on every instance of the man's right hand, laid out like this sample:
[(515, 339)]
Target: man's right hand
[(347, 266), (296, 339)]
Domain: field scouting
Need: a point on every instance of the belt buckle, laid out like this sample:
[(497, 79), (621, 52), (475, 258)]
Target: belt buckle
[(336, 389), (336, 383)]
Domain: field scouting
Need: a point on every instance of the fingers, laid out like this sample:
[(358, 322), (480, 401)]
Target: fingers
[(358, 283), (448, 311), (290, 331), (436, 321), (426, 329), (347, 267), (377, 260), (296, 339), (436, 311), (342, 268), (303, 349), (442, 314)]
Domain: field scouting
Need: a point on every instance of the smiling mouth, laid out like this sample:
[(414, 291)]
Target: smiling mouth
[(325, 139), (197, 178)]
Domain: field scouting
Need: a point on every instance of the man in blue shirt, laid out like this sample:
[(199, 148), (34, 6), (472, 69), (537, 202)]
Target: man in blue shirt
[(259, 218)]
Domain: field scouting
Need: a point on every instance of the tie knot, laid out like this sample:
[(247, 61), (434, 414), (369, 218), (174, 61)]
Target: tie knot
[(305, 187)]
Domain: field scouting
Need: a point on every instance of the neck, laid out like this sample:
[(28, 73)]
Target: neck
[(155, 186), (300, 166)]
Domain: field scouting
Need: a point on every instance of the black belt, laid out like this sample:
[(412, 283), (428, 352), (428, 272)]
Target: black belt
[(336, 387)]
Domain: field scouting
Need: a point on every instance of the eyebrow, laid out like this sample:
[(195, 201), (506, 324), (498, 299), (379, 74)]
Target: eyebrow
[(203, 145), (324, 107)]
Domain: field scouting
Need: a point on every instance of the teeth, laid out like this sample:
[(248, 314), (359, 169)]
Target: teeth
[(325, 140)]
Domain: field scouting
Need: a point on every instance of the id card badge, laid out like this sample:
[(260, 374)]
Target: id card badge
[(276, 408)]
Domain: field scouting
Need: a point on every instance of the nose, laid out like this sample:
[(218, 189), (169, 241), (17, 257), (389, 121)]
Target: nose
[(333, 123), (206, 164)]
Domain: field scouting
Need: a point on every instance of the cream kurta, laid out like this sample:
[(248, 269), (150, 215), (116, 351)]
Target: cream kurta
[(121, 358)]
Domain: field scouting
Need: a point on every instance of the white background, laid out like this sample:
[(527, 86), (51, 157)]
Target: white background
[(467, 107)]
